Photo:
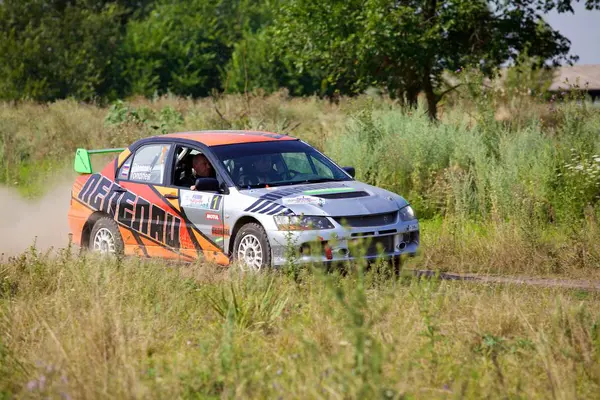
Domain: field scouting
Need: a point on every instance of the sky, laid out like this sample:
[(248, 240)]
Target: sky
[(583, 30)]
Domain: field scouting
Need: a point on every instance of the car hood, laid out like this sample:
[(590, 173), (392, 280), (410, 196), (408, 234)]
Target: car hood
[(329, 198)]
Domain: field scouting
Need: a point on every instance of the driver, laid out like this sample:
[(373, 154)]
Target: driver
[(202, 169)]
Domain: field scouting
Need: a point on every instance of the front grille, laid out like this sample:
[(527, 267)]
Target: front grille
[(386, 243), (343, 195), (358, 221)]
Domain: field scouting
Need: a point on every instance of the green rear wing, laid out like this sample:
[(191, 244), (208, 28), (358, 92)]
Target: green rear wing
[(83, 164)]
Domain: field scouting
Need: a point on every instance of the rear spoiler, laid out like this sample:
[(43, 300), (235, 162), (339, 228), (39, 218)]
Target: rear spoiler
[(83, 165)]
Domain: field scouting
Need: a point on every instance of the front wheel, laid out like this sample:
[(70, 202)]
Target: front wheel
[(251, 248), (106, 238)]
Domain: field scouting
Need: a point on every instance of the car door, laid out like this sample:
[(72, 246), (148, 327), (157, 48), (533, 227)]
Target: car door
[(203, 211)]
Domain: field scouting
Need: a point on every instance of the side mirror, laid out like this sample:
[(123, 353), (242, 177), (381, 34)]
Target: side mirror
[(350, 170), (207, 184)]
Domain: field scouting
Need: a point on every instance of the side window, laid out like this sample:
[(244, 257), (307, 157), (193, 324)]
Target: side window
[(298, 162), (187, 167), (147, 164)]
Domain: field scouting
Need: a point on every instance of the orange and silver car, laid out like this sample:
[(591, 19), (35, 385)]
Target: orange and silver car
[(225, 195)]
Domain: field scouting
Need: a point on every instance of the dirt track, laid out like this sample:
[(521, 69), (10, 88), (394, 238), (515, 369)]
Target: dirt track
[(544, 282), (43, 221)]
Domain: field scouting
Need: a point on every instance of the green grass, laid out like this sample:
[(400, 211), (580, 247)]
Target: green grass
[(504, 186), (86, 327), (455, 245)]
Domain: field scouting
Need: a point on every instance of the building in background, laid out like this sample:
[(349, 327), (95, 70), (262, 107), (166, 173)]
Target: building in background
[(583, 77)]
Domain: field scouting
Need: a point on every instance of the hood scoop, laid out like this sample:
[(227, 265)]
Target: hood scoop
[(342, 195)]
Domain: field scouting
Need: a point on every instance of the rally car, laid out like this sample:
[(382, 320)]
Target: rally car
[(268, 193)]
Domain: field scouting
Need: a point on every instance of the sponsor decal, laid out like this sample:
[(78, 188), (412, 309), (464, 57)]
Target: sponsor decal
[(220, 231), (200, 201), (213, 217), (141, 168), (130, 210), (141, 172), (316, 201), (141, 176), (412, 227)]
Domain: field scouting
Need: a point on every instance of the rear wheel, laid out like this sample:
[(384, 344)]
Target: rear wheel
[(251, 248), (106, 238)]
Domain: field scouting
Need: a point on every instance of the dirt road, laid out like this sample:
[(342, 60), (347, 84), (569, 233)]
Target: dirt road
[(532, 281)]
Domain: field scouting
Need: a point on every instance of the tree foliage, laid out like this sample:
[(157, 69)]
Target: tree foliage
[(56, 49), (404, 46), (257, 65), (107, 49), (182, 46)]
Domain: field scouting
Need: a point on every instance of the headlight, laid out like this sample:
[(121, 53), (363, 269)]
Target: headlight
[(407, 214), (301, 223)]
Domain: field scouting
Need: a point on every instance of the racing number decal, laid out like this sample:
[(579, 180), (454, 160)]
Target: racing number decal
[(201, 201), (215, 203)]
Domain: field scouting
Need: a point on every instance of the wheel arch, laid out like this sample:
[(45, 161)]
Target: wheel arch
[(89, 225), (236, 228)]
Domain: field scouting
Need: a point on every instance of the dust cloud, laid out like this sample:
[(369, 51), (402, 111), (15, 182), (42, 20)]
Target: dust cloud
[(43, 221)]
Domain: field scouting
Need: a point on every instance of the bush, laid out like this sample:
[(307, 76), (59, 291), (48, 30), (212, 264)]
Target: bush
[(448, 168)]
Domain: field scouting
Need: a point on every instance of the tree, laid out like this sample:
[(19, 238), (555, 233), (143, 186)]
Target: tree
[(183, 46), (255, 64), (405, 45), (56, 49)]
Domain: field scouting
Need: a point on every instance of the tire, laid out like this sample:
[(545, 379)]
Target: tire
[(251, 248), (106, 238)]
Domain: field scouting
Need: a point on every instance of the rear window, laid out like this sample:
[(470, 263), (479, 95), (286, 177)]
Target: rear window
[(147, 164)]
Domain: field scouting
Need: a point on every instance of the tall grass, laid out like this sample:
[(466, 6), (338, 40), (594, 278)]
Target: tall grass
[(453, 168), (37, 142), (84, 327), (493, 199), (494, 178)]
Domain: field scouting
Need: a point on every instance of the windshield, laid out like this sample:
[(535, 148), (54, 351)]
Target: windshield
[(253, 165)]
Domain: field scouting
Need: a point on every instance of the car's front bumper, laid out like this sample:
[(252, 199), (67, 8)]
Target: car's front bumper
[(344, 244)]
